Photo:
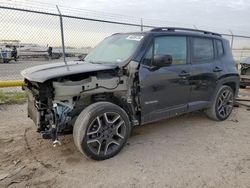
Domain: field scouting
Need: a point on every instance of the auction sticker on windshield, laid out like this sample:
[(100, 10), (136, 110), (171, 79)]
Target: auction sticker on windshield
[(134, 37)]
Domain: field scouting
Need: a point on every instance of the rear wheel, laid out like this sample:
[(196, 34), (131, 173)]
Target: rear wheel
[(101, 130), (222, 105), (242, 86)]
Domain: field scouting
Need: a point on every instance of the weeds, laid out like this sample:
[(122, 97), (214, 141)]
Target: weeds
[(12, 97)]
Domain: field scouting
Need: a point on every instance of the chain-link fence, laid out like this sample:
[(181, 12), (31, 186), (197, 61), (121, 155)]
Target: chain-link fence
[(33, 35), (241, 48)]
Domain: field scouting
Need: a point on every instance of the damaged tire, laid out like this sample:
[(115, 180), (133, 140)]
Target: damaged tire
[(101, 130)]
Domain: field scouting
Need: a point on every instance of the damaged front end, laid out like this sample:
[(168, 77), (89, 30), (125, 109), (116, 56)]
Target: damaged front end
[(59, 92), (54, 104), (44, 111)]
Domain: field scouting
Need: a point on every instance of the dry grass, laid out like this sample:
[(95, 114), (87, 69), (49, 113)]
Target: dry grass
[(12, 97)]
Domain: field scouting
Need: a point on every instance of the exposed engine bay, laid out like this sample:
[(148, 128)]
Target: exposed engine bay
[(55, 104)]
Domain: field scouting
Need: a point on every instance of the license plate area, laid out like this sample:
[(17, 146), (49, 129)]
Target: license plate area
[(32, 110)]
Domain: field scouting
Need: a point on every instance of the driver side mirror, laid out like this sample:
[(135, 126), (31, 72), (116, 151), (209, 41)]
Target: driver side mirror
[(162, 60)]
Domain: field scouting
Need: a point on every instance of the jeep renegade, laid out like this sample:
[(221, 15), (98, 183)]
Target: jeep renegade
[(132, 79)]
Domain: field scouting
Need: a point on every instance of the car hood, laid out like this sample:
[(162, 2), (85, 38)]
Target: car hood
[(46, 72), (245, 61)]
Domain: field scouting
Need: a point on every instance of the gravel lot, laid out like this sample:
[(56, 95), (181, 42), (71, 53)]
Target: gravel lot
[(187, 151)]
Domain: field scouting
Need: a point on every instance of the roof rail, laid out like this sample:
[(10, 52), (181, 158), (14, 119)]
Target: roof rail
[(173, 29)]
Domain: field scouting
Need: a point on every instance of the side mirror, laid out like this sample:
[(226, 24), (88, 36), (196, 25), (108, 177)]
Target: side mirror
[(162, 60)]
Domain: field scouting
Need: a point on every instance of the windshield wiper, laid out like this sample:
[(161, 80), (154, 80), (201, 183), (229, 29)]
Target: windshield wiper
[(79, 59), (97, 62)]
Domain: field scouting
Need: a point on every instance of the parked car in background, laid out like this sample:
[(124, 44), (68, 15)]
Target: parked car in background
[(245, 73), (8, 50), (27, 50), (5, 55)]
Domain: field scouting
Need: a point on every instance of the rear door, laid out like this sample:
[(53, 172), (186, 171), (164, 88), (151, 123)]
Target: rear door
[(165, 90), (203, 72)]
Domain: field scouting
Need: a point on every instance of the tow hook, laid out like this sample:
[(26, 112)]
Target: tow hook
[(54, 135), (54, 127), (56, 143)]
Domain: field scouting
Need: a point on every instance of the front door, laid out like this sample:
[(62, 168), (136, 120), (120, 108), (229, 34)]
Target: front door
[(165, 91)]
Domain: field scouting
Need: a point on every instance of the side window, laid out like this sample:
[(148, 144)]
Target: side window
[(176, 46), (203, 50), (147, 60), (219, 46)]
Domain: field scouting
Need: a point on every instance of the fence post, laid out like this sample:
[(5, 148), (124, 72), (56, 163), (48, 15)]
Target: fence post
[(62, 34), (141, 25), (232, 39)]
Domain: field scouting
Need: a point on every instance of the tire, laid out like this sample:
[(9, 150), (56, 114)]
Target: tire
[(242, 86), (101, 130), (222, 104)]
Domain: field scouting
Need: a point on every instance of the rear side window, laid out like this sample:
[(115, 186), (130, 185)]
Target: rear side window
[(203, 50), (219, 46)]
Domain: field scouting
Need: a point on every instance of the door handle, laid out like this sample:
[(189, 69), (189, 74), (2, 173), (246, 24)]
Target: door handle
[(184, 74), (217, 69)]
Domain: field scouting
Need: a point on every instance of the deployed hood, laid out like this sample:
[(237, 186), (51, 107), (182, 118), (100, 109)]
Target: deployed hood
[(46, 72)]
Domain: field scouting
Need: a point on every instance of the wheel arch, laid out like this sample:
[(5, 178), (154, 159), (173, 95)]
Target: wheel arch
[(117, 98), (232, 80), (228, 80), (233, 85)]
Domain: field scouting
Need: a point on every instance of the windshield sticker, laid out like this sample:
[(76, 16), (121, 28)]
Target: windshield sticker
[(118, 60), (134, 37)]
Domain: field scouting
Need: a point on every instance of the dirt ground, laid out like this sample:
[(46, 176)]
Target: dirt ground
[(187, 151)]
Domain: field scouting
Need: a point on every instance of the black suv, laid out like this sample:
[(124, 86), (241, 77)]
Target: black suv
[(132, 79)]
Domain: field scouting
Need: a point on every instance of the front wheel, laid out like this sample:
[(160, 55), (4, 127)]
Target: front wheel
[(101, 130), (222, 105)]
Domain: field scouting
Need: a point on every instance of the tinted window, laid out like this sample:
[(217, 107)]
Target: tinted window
[(203, 50), (219, 45), (176, 46), (147, 60)]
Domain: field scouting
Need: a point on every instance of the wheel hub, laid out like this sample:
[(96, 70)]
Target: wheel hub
[(106, 133)]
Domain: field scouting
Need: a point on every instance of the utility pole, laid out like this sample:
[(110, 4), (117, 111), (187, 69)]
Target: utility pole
[(141, 25), (62, 34), (232, 39)]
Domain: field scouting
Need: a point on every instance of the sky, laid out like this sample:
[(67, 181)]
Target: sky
[(222, 16)]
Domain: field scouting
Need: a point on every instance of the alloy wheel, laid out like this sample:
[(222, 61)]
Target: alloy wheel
[(106, 133), (225, 103)]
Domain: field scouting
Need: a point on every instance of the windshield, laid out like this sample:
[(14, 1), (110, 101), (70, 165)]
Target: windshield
[(114, 49)]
